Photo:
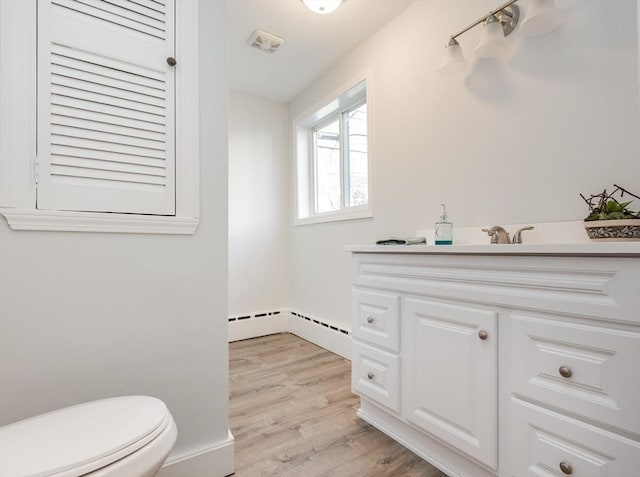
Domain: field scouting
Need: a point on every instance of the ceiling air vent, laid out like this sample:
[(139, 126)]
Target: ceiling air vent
[(264, 41)]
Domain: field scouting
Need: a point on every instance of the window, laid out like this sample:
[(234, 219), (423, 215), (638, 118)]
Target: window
[(340, 160), (95, 143), (333, 158)]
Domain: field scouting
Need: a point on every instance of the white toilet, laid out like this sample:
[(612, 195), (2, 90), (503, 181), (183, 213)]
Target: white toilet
[(128, 436)]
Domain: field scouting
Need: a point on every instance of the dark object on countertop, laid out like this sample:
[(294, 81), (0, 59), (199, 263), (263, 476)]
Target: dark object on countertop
[(404, 241)]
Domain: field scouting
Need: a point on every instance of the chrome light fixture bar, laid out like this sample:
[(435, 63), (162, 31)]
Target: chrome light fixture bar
[(542, 17), (508, 16)]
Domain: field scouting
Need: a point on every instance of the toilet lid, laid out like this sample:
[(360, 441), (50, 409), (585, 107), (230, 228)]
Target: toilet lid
[(79, 439)]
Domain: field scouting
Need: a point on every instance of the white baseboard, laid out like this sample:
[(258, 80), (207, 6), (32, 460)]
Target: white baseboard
[(318, 331), (321, 333), (216, 460), (243, 328)]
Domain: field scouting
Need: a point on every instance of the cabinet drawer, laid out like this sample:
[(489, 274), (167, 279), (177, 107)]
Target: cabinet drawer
[(582, 368), (376, 375), (377, 318), (541, 440)]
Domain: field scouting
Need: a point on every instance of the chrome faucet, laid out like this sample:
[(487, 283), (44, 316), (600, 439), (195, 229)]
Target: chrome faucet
[(498, 234), (501, 236), (517, 237)]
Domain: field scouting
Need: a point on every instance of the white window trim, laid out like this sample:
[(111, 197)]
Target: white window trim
[(18, 133), (303, 152)]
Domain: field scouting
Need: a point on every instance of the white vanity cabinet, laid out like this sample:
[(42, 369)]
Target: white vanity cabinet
[(509, 361)]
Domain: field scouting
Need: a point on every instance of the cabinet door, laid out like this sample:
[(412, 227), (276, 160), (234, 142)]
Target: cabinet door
[(106, 106), (449, 374)]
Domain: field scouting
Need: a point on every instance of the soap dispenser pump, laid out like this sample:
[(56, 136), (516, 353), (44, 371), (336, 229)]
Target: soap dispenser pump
[(444, 229)]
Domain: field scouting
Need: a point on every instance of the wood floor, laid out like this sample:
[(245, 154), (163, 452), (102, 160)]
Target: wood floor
[(292, 413)]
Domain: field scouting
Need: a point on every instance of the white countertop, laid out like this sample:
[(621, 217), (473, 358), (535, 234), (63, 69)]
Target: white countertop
[(594, 249)]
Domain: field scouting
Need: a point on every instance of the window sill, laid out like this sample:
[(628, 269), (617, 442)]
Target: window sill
[(335, 216), (65, 221)]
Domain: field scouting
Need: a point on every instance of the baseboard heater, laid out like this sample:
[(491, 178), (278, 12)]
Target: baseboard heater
[(294, 314)]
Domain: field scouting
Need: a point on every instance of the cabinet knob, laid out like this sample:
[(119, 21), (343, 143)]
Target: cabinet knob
[(483, 335), (171, 61), (369, 319), (566, 468), (565, 371), (370, 375)]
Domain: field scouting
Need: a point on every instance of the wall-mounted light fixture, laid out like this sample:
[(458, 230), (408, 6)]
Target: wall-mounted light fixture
[(322, 6), (541, 18)]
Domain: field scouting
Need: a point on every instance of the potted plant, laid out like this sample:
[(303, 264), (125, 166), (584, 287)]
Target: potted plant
[(611, 219)]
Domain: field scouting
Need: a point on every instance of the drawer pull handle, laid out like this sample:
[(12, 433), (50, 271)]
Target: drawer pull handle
[(483, 335), (370, 375), (566, 468), (565, 371), (369, 319)]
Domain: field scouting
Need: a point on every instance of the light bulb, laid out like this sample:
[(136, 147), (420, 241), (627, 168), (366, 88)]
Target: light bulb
[(453, 61), (542, 17), (493, 43)]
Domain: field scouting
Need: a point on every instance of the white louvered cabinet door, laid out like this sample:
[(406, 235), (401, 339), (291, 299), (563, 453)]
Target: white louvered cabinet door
[(106, 121)]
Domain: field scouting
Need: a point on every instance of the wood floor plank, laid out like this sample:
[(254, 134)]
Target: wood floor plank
[(292, 414)]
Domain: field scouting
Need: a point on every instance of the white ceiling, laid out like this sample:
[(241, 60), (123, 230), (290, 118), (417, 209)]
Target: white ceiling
[(312, 42)]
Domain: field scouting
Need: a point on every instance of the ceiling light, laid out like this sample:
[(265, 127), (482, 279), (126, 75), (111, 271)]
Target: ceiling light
[(322, 6), (542, 17)]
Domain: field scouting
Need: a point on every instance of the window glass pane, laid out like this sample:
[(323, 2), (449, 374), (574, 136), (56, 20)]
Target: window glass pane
[(358, 164), (328, 168)]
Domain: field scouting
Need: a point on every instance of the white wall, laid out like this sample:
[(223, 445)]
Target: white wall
[(511, 143), (259, 205), (86, 316)]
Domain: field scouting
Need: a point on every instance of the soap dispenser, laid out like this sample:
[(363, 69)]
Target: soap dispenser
[(444, 229)]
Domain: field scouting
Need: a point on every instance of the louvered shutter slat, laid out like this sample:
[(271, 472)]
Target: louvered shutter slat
[(97, 136), (107, 100), (108, 166), (67, 72), (82, 172), (94, 145), (108, 110), (106, 182), (88, 10), (141, 8), (150, 4), (102, 93), (102, 120), (131, 14), (109, 156), (60, 150), (83, 124), (110, 66), (85, 86)]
